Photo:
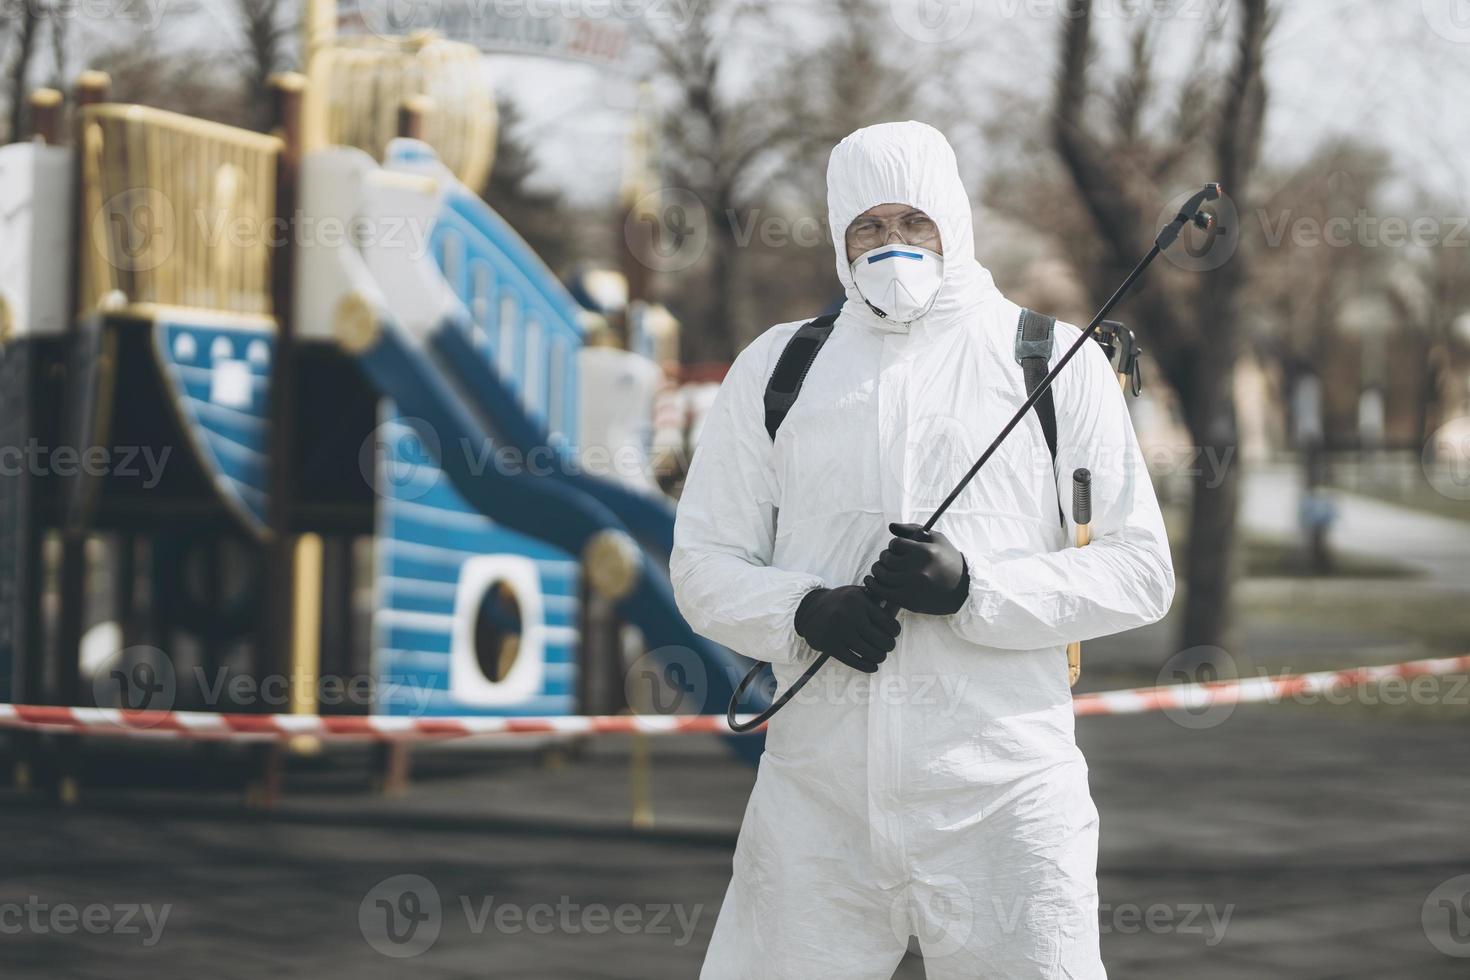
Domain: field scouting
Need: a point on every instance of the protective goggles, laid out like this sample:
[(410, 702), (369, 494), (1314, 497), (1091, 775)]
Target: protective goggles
[(912, 228)]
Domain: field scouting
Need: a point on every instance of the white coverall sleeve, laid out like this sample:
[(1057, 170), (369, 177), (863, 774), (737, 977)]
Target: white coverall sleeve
[(1125, 577), (725, 530)]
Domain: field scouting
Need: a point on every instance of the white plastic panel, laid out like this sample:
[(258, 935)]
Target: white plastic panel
[(468, 684), (35, 236)]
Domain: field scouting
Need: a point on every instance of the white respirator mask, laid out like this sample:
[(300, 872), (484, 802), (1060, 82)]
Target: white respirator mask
[(899, 281)]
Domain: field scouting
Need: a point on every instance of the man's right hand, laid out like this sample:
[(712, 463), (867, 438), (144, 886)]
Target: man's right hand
[(849, 625)]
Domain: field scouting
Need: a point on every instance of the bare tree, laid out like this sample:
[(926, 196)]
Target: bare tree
[(1312, 277), (757, 147), (60, 44), (1191, 323), (24, 31), (1430, 293), (540, 215), (147, 71), (711, 141), (268, 27)]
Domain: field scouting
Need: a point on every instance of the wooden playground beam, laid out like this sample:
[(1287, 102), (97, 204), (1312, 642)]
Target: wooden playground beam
[(275, 643), (46, 111)]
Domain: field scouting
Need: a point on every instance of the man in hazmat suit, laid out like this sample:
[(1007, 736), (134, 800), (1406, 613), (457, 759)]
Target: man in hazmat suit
[(927, 782)]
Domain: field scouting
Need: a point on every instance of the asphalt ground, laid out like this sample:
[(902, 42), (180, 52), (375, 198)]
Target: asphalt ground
[(1274, 841)]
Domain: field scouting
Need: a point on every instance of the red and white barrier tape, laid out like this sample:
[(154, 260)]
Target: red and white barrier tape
[(208, 725), (1173, 697)]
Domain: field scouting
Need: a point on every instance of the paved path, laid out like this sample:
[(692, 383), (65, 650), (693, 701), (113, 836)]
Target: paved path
[(1319, 837), (1437, 546)]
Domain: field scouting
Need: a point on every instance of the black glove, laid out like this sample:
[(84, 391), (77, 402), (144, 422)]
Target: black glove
[(846, 623), (920, 571)]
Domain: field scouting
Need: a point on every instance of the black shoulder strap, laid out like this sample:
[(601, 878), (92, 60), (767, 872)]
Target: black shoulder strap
[(791, 369), (1033, 352)]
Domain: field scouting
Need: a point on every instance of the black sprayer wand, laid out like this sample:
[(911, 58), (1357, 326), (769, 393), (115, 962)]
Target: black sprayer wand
[(1189, 213)]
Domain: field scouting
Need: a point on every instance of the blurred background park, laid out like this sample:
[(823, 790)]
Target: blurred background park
[(231, 457)]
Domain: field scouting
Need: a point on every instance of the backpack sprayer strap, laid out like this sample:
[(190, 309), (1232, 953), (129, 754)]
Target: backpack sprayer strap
[(1034, 339), (791, 368)]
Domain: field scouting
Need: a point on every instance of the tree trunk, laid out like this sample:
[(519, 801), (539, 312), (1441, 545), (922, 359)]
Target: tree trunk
[(1196, 353), (25, 38), (714, 340), (1211, 557)]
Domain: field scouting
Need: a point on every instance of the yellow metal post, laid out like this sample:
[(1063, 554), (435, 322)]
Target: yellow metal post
[(640, 779), (306, 623), (1074, 649)]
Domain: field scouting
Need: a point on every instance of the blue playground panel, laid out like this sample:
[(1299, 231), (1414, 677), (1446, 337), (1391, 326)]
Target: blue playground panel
[(220, 379), (426, 533), (523, 323)]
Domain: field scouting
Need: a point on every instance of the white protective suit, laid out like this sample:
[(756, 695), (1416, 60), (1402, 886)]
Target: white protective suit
[(944, 796)]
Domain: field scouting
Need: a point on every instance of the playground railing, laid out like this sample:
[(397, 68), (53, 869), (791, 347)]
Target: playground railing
[(176, 211)]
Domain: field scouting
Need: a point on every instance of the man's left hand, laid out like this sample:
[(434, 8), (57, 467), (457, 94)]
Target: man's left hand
[(920, 571)]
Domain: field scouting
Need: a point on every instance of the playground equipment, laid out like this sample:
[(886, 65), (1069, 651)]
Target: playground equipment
[(360, 85), (344, 371)]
